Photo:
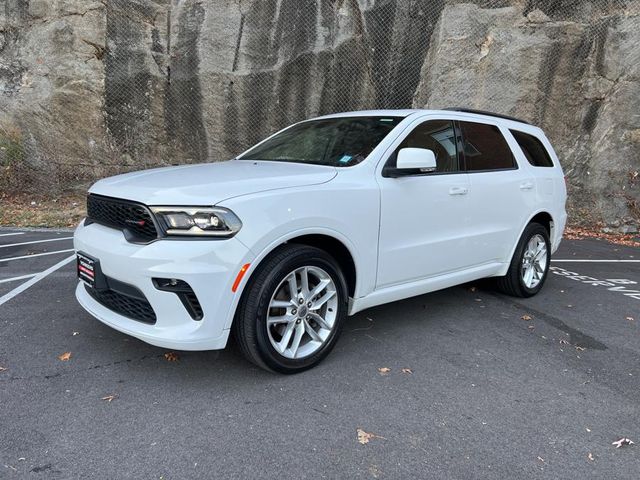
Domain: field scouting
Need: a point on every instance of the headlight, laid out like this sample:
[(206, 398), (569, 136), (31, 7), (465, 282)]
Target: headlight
[(198, 221)]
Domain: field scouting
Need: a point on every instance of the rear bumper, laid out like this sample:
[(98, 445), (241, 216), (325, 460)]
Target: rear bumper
[(560, 222), (208, 266)]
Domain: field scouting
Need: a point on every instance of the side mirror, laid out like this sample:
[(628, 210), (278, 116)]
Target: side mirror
[(420, 158), (413, 161)]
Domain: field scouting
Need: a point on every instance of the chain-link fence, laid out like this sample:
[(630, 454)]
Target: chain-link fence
[(89, 89)]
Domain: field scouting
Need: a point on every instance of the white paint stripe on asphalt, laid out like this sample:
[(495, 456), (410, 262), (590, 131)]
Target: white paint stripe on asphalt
[(35, 255), (597, 261), (35, 279), (8, 234), (22, 277), (36, 241)]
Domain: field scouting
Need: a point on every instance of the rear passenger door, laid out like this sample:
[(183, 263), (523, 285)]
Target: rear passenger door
[(501, 194)]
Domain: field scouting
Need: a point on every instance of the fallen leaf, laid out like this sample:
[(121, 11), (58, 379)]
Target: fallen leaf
[(384, 370), (526, 318), (172, 356), (65, 356), (365, 437), (407, 370), (590, 456), (622, 442), (563, 342), (109, 398), (580, 349)]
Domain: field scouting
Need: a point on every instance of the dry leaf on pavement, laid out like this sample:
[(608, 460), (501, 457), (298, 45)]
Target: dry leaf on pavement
[(622, 442), (65, 356), (109, 398), (365, 437), (407, 370), (384, 370), (526, 318), (172, 356)]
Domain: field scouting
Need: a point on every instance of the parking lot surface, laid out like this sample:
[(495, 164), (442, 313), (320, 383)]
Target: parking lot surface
[(480, 385)]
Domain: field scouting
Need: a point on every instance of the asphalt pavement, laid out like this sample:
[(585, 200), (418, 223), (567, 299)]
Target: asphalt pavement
[(480, 385)]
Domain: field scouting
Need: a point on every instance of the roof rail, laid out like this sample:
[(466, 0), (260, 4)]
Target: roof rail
[(483, 112)]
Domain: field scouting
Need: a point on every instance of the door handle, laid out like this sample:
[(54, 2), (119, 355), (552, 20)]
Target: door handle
[(526, 186), (458, 191)]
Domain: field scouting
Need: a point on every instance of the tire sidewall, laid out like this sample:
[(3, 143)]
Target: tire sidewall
[(268, 354)]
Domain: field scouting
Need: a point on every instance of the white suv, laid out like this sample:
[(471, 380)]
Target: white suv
[(319, 221)]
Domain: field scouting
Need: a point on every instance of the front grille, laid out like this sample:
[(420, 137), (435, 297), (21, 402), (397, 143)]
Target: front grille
[(132, 218), (134, 307)]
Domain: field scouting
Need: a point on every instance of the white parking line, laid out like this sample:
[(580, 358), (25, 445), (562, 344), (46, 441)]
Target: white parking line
[(22, 277), (596, 261), (36, 241), (7, 234), (34, 255), (35, 279)]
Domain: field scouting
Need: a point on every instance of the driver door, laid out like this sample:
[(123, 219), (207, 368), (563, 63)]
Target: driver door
[(424, 217)]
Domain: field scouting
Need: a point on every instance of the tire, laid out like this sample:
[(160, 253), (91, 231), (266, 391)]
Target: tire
[(266, 314), (515, 282)]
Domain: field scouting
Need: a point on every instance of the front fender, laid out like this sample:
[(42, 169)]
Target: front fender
[(350, 216)]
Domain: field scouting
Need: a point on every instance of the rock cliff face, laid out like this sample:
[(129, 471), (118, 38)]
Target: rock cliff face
[(94, 88)]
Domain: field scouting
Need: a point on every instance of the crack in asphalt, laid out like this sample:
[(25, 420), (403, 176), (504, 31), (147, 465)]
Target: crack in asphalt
[(576, 337), (92, 367)]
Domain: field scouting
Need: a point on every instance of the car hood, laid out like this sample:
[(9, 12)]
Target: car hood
[(210, 183)]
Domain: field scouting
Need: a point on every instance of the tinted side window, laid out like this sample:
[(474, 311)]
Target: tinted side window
[(438, 136), (533, 149), (485, 148)]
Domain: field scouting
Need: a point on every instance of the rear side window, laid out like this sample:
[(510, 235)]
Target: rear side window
[(485, 148), (533, 149)]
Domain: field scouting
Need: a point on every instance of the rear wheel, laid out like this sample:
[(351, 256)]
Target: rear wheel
[(530, 263), (292, 310)]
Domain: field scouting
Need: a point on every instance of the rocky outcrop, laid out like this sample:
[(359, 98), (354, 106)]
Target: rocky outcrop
[(577, 79), (91, 88)]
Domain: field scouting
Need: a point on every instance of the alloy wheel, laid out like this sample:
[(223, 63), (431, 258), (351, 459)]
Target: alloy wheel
[(302, 312)]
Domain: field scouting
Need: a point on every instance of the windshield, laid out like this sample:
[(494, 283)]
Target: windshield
[(338, 142)]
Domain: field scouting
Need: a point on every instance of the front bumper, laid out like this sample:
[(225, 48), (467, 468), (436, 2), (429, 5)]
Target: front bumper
[(208, 266)]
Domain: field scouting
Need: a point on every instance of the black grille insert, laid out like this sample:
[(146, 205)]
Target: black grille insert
[(184, 292), (125, 300), (134, 219)]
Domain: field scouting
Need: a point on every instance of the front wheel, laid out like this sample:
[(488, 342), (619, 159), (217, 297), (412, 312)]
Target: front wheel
[(530, 263), (292, 310)]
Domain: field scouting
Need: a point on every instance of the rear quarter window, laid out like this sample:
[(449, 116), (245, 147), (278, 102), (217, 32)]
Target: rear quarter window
[(533, 149), (485, 148)]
